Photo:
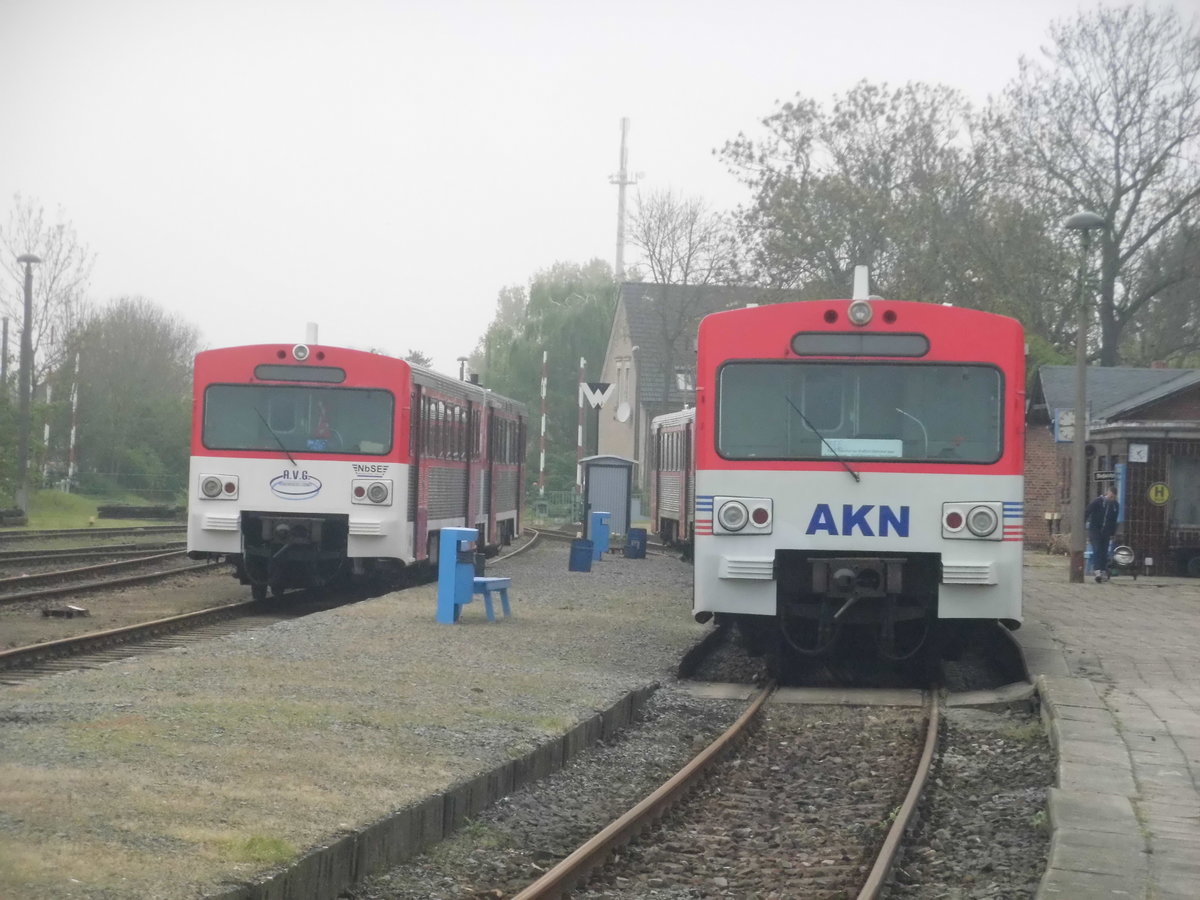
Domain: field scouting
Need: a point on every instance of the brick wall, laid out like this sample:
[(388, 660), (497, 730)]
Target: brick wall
[(1181, 407), (1041, 481)]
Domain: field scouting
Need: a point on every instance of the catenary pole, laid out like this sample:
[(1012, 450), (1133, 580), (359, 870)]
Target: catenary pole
[(25, 385), (542, 447)]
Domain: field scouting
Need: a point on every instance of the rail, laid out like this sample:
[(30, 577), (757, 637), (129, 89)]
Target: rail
[(593, 854)]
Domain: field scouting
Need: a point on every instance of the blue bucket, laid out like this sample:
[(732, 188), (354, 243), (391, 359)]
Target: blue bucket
[(581, 556), (635, 544)]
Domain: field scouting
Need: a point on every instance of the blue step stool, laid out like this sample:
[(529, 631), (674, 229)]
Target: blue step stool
[(486, 586)]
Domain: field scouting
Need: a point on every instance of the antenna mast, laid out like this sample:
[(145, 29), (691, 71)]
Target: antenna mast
[(621, 180)]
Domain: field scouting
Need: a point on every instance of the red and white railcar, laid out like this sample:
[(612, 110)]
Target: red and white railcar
[(310, 463), (859, 469), (672, 477)]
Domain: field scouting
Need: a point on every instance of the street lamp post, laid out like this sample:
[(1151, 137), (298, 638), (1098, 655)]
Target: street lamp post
[(24, 385), (1084, 222)]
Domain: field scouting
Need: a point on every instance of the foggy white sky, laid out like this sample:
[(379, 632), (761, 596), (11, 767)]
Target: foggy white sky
[(385, 168)]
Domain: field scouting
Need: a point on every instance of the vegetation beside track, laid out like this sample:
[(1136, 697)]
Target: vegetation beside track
[(55, 509)]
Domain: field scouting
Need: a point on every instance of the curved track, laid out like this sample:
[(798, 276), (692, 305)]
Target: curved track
[(741, 809)]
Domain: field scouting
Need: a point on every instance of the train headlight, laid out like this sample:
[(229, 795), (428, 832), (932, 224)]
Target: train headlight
[(732, 515), (371, 491), (300, 353), (860, 312), (743, 515), (219, 487), (973, 521), (982, 521)]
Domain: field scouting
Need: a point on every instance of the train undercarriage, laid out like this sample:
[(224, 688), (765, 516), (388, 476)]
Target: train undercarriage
[(293, 551), (848, 605)]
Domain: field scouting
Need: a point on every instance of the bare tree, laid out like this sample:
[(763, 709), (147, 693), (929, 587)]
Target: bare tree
[(59, 283), (689, 253), (682, 240), (1110, 122)]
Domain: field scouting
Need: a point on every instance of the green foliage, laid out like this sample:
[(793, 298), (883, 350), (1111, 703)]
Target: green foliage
[(56, 509), (1042, 353), (568, 314), (134, 417), (884, 178)]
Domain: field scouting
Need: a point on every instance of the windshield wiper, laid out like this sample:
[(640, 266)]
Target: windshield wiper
[(838, 456), (919, 422), (277, 438)]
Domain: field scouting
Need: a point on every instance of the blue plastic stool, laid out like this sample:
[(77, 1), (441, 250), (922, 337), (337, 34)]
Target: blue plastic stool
[(486, 586)]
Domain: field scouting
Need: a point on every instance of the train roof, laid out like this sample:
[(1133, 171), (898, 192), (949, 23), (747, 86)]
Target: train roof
[(680, 417), (476, 392), (420, 374)]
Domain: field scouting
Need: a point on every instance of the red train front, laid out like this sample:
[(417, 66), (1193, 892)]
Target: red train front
[(858, 473), (311, 464)]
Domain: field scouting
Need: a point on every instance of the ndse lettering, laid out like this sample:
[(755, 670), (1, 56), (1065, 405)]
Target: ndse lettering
[(884, 522), (295, 475), (370, 469)]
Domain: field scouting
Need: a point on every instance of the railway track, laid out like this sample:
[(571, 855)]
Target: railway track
[(560, 535), (803, 801), (10, 558), (24, 535), (59, 582), (20, 664)]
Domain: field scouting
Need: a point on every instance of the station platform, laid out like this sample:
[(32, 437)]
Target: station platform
[(1117, 667)]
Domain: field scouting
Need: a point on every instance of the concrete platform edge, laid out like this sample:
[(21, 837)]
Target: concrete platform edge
[(1090, 812), (326, 871)]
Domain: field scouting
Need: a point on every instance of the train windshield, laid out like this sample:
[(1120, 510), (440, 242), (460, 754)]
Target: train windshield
[(298, 418), (927, 412)]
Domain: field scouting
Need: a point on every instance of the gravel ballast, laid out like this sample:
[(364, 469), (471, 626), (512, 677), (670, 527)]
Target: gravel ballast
[(185, 773)]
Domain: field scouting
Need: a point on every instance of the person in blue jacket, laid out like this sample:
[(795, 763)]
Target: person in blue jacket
[(1100, 519)]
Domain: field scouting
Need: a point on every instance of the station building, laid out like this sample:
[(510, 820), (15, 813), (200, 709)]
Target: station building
[(1143, 438)]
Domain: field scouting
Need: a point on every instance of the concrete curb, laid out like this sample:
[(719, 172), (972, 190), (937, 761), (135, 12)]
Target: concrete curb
[(324, 872), (1097, 844)]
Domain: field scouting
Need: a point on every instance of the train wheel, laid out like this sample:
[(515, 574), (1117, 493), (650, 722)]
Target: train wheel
[(258, 591)]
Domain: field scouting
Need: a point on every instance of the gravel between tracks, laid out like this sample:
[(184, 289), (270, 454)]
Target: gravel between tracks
[(982, 831)]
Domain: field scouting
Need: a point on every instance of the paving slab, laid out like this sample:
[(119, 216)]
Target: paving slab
[(1120, 689)]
